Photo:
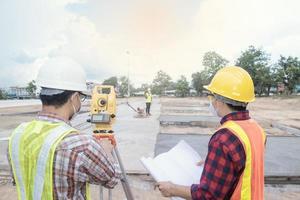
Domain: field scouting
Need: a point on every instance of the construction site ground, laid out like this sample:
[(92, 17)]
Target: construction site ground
[(173, 119)]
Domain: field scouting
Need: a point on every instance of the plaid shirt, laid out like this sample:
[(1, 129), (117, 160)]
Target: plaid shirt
[(80, 159), (224, 163)]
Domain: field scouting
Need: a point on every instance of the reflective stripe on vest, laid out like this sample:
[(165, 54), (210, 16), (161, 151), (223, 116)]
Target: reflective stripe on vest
[(246, 181), (148, 97), (14, 157), (33, 164), (51, 138), (252, 136)]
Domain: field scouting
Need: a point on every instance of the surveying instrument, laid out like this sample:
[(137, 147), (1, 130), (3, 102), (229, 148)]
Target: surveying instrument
[(103, 114)]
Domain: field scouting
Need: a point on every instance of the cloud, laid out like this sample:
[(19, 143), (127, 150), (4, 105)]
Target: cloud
[(170, 35), (23, 57), (26, 29), (285, 46)]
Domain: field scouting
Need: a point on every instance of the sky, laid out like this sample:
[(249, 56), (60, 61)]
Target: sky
[(140, 37)]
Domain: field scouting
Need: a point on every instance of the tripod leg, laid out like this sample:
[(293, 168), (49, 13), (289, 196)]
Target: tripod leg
[(109, 194), (101, 193), (124, 180)]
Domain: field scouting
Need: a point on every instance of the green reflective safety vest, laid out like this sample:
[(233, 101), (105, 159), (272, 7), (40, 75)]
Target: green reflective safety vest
[(31, 149), (148, 97)]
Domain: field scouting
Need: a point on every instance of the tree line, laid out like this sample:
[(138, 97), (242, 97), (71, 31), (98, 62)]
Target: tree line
[(282, 76)]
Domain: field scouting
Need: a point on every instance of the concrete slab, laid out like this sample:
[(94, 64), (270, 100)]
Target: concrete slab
[(136, 137), (281, 157), (186, 130), (204, 121), (184, 108), (291, 130)]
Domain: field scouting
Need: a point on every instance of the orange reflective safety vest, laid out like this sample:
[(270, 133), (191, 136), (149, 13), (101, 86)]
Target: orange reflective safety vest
[(252, 136)]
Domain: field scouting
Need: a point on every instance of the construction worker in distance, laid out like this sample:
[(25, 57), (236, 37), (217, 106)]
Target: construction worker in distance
[(50, 159), (234, 165), (148, 97)]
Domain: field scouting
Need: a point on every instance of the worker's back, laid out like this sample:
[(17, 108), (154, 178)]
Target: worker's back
[(252, 136), (148, 97), (55, 161), (31, 148)]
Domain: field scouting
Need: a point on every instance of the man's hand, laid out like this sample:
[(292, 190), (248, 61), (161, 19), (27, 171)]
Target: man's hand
[(169, 189), (166, 188)]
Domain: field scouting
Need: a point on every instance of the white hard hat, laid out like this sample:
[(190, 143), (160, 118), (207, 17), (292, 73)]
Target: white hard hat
[(62, 73)]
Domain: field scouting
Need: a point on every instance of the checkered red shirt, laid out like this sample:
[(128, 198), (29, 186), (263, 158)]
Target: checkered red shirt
[(224, 163), (80, 159)]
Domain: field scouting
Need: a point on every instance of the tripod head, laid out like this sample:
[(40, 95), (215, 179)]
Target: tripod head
[(103, 108)]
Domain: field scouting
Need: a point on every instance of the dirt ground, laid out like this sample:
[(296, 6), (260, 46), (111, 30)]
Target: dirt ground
[(283, 110)]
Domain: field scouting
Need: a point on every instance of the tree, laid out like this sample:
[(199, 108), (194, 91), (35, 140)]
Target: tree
[(31, 88), (213, 62), (161, 82), (182, 87), (199, 79), (288, 70), (111, 81), (145, 87), (2, 95), (123, 86), (172, 86), (256, 62)]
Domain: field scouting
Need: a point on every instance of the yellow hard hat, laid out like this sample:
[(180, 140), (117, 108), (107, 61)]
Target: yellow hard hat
[(234, 83)]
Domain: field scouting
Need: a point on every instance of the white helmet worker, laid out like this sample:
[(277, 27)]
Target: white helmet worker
[(59, 74)]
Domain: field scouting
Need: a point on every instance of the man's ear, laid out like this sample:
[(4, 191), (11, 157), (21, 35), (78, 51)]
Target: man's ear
[(225, 105)]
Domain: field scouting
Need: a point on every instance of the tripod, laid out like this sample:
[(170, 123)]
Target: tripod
[(103, 114)]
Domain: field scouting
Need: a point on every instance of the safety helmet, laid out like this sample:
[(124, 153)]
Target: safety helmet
[(62, 73), (233, 83)]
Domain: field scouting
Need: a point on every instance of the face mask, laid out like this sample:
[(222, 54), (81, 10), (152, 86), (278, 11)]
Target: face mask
[(212, 110)]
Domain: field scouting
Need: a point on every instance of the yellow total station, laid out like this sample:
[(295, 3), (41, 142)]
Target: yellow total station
[(103, 108)]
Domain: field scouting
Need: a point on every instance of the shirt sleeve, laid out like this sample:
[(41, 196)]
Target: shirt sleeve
[(223, 166), (98, 167)]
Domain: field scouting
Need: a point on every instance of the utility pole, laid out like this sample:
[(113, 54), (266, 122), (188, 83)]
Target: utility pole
[(128, 90)]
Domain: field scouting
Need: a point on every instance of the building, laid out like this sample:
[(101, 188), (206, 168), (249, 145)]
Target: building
[(140, 93), (17, 93), (297, 89)]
